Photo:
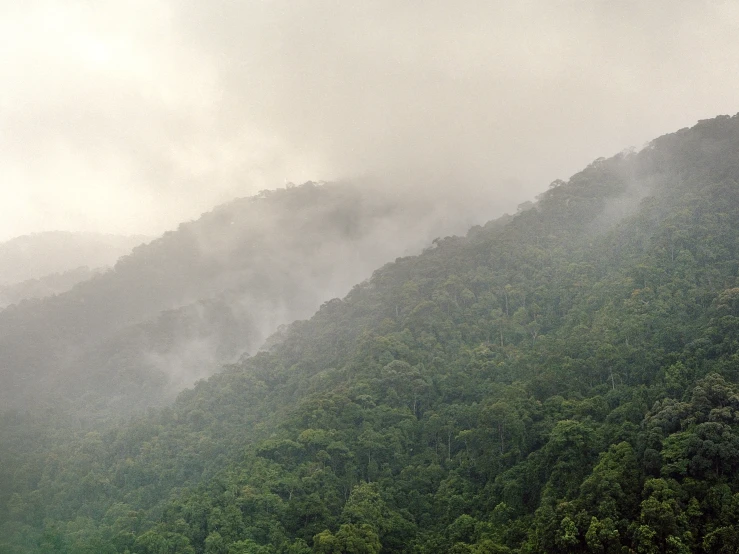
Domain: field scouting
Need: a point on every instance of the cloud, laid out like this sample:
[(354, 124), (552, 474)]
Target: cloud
[(130, 116)]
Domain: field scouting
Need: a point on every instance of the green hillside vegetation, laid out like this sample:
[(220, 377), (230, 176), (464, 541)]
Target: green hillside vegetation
[(564, 380)]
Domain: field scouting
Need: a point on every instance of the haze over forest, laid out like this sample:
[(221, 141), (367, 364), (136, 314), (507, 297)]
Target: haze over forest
[(328, 277)]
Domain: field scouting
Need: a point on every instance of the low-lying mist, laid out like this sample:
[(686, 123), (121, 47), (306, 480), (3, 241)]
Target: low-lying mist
[(176, 309)]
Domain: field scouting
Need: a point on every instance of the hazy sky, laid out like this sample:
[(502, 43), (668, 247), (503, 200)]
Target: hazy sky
[(130, 116)]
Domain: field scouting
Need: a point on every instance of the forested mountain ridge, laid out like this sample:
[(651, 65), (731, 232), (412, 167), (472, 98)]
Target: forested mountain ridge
[(560, 381)]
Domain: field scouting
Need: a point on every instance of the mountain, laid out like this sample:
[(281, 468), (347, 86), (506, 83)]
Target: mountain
[(41, 254), (563, 380), (175, 309), (47, 285)]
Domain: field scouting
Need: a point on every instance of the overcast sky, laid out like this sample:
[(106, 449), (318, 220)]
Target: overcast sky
[(131, 116)]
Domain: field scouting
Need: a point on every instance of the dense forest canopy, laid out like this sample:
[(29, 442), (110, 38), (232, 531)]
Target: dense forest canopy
[(563, 380)]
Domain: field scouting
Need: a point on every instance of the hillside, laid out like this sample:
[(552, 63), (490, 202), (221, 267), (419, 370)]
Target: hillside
[(41, 254), (561, 381), (178, 307)]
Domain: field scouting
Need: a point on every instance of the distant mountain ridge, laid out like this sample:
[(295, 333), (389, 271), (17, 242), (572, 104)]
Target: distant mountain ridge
[(40, 254), (48, 285)]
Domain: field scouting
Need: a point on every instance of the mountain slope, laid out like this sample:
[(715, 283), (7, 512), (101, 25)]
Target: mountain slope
[(132, 337), (561, 381)]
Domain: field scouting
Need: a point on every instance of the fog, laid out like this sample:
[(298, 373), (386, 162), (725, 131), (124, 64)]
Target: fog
[(128, 117)]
